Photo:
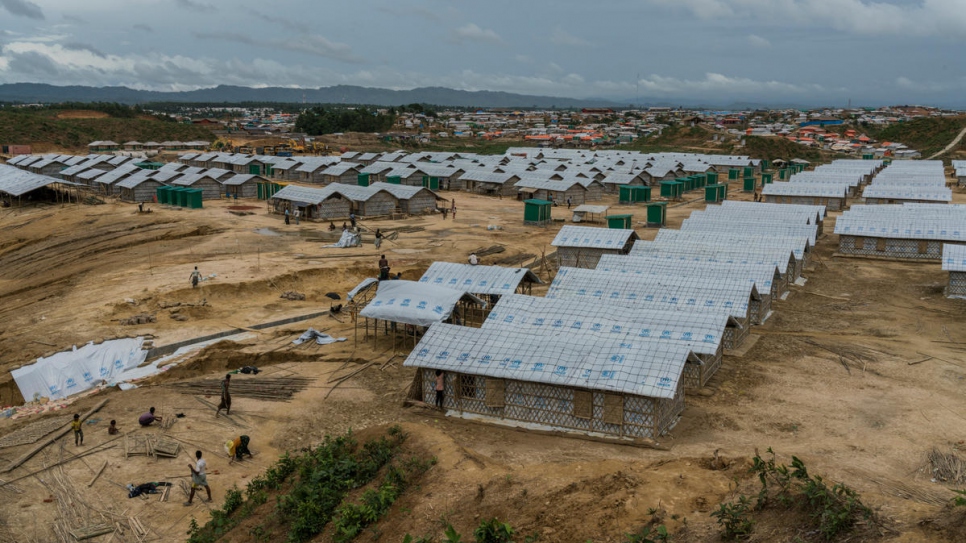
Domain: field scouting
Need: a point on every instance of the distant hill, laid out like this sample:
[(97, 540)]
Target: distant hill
[(72, 130), (927, 135), (341, 94)]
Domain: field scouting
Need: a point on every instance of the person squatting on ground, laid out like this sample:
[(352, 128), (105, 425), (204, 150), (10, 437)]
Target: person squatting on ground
[(147, 418), (237, 448), (225, 396), (75, 425), (198, 478), (112, 429)]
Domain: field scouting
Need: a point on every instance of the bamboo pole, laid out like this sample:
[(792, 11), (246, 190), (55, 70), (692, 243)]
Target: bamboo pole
[(57, 435)]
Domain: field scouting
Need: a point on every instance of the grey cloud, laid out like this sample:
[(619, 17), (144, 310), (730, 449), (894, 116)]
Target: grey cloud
[(23, 8), (559, 36), (75, 46), (143, 27), (194, 5), (283, 22), (33, 64), (472, 32), (74, 19), (312, 45)]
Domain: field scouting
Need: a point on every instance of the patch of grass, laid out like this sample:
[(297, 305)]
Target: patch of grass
[(834, 510), (311, 490)]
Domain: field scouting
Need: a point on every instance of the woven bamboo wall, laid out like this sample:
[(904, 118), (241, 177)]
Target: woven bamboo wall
[(957, 284), (891, 248), (334, 208), (581, 257), (831, 204), (381, 203), (420, 203), (554, 406)]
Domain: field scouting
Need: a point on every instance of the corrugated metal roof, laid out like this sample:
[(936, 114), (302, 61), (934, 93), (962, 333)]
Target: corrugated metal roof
[(136, 179), (477, 279), (954, 257), (589, 237), (482, 176), (16, 182), (646, 367), (309, 195)]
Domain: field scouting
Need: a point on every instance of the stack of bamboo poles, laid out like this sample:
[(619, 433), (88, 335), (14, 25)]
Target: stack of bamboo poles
[(261, 388)]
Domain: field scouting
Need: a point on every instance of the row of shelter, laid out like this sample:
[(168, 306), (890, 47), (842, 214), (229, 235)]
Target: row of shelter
[(134, 180), (914, 181), (620, 335), (526, 173), (831, 185)]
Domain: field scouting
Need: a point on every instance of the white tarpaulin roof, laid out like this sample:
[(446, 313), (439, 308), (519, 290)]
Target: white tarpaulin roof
[(760, 275), (414, 303), (700, 252), (69, 372), (534, 315), (477, 279), (365, 284), (589, 237), (588, 208), (954, 257), (645, 366), (595, 286)]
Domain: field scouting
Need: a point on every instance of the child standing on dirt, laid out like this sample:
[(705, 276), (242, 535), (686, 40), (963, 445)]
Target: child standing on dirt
[(78, 431)]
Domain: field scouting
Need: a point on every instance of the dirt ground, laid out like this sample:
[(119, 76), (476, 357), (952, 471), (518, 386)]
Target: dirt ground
[(838, 376)]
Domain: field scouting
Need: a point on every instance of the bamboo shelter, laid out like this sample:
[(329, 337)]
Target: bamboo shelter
[(407, 308), (605, 386)]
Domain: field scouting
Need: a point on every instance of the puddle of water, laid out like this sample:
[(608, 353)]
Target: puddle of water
[(267, 232)]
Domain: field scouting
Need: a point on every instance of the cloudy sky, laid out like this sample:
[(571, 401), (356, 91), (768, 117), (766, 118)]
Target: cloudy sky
[(717, 51)]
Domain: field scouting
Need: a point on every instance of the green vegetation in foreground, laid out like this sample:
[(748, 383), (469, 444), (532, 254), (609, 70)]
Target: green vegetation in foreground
[(927, 135), (312, 490), (831, 512), (35, 126)]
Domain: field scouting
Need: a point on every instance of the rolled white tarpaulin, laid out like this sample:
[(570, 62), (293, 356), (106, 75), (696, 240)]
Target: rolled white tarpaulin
[(66, 373)]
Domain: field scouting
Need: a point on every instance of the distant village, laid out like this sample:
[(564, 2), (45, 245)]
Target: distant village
[(828, 129)]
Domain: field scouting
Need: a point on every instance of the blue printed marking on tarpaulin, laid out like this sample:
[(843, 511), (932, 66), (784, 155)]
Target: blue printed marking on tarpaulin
[(561, 371), (405, 303), (538, 366), (422, 305), (515, 365)]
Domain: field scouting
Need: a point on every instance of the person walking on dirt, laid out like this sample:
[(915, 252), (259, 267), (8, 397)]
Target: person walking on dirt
[(383, 268), (287, 221), (352, 220), (453, 209), (78, 429), (298, 213), (225, 396), (568, 202), (378, 238), (195, 277), (199, 479), (440, 388)]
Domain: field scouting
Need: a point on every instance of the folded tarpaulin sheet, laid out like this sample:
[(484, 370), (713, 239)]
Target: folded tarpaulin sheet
[(69, 372), (320, 338), (348, 239)]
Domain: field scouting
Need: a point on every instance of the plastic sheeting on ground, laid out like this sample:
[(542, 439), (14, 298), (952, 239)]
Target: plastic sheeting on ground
[(319, 337), (348, 239), (69, 372)]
